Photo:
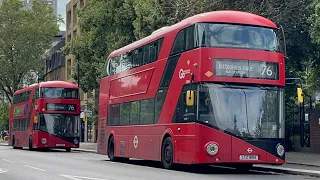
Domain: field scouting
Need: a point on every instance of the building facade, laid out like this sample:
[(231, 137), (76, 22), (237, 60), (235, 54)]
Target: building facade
[(28, 4), (73, 30), (54, 59)]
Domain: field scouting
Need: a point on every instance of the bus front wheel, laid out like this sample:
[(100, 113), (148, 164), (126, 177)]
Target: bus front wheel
[(167, 153)]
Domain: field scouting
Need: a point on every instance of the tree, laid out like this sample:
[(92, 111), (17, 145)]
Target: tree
[(4, 116), (25, 34), (105, 26)]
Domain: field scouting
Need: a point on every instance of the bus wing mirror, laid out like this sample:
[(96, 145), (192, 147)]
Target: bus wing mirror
[(300, 95), (190, 98)]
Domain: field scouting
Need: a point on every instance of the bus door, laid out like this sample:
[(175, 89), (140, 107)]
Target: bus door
[(185, 129)]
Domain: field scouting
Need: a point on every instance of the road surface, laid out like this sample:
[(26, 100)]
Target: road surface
[(61, 165)]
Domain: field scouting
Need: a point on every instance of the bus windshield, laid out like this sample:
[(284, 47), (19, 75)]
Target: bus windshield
[(60, 124), (237, 36), (247, 112), (62, 93)]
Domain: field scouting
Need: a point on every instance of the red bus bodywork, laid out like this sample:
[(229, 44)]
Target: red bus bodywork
[(172, 74), (26, 126)]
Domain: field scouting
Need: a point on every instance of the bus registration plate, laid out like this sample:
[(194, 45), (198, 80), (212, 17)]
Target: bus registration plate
[(249, 157)]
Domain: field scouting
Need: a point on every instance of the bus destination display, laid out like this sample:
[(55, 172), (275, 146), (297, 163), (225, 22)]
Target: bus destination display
[(61, 107), (246, 69)]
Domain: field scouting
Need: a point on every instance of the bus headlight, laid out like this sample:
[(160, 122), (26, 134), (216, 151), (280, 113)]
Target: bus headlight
[(280, 149), (44, 140), (212, 149)]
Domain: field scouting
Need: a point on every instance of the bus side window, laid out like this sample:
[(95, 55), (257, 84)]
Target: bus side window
[(190, 38), (179, 43)]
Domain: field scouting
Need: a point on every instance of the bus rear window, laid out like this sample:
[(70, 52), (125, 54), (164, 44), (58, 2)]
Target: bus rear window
[(61, 93)]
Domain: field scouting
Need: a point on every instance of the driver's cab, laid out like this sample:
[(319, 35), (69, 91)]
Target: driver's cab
[(194, 105)]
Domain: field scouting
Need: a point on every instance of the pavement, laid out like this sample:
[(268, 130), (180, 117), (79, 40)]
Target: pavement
[(23, 164), (296, 163)]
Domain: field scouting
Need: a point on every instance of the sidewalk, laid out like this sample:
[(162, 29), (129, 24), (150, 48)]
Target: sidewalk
[(295, 158), (296, 163), (87, 147)]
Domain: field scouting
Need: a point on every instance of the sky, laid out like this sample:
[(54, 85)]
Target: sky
[(62, 11)]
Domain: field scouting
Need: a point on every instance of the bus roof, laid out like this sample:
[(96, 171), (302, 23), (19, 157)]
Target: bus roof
[(52, 84), (58, 84), (232, 17)]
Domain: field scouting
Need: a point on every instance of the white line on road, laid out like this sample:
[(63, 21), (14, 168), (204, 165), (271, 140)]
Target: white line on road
[(79, 177), (2, 171), (35, 168), (7, 160)]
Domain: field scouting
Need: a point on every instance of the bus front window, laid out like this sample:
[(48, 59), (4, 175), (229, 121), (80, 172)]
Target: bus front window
[(247, 112), (237, 36), (60, 125), (63, 93)]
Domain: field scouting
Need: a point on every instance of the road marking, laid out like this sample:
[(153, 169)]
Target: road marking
[(80, 177), (7, 160), (2, 171), (35, 168)]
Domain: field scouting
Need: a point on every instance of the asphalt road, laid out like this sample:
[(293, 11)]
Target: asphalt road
[(61, 165)]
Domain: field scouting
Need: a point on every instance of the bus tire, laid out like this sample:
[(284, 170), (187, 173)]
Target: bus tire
[(13, 143), (167, 154), (68, 149), (30, 144), (111, 150)]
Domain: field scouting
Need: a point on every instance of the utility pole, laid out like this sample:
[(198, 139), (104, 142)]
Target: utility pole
[(85, 118), (78, 79)]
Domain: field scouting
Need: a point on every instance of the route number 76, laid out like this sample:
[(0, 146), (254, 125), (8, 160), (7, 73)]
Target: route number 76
[(266, 70)]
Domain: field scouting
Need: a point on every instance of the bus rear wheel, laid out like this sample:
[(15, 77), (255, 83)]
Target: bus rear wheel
[(167, 154), (14, 143), (111, 150), (30, 144)]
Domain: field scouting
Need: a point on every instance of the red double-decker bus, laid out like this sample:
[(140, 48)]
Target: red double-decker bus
[(207, 90), (46, 115)]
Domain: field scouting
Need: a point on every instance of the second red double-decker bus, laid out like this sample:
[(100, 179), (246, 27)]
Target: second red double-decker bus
[(46, 115), (207, 90)]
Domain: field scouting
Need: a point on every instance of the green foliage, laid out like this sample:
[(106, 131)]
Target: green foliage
[(314, 20), (24, 37), (105, 25), (4, 116)]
